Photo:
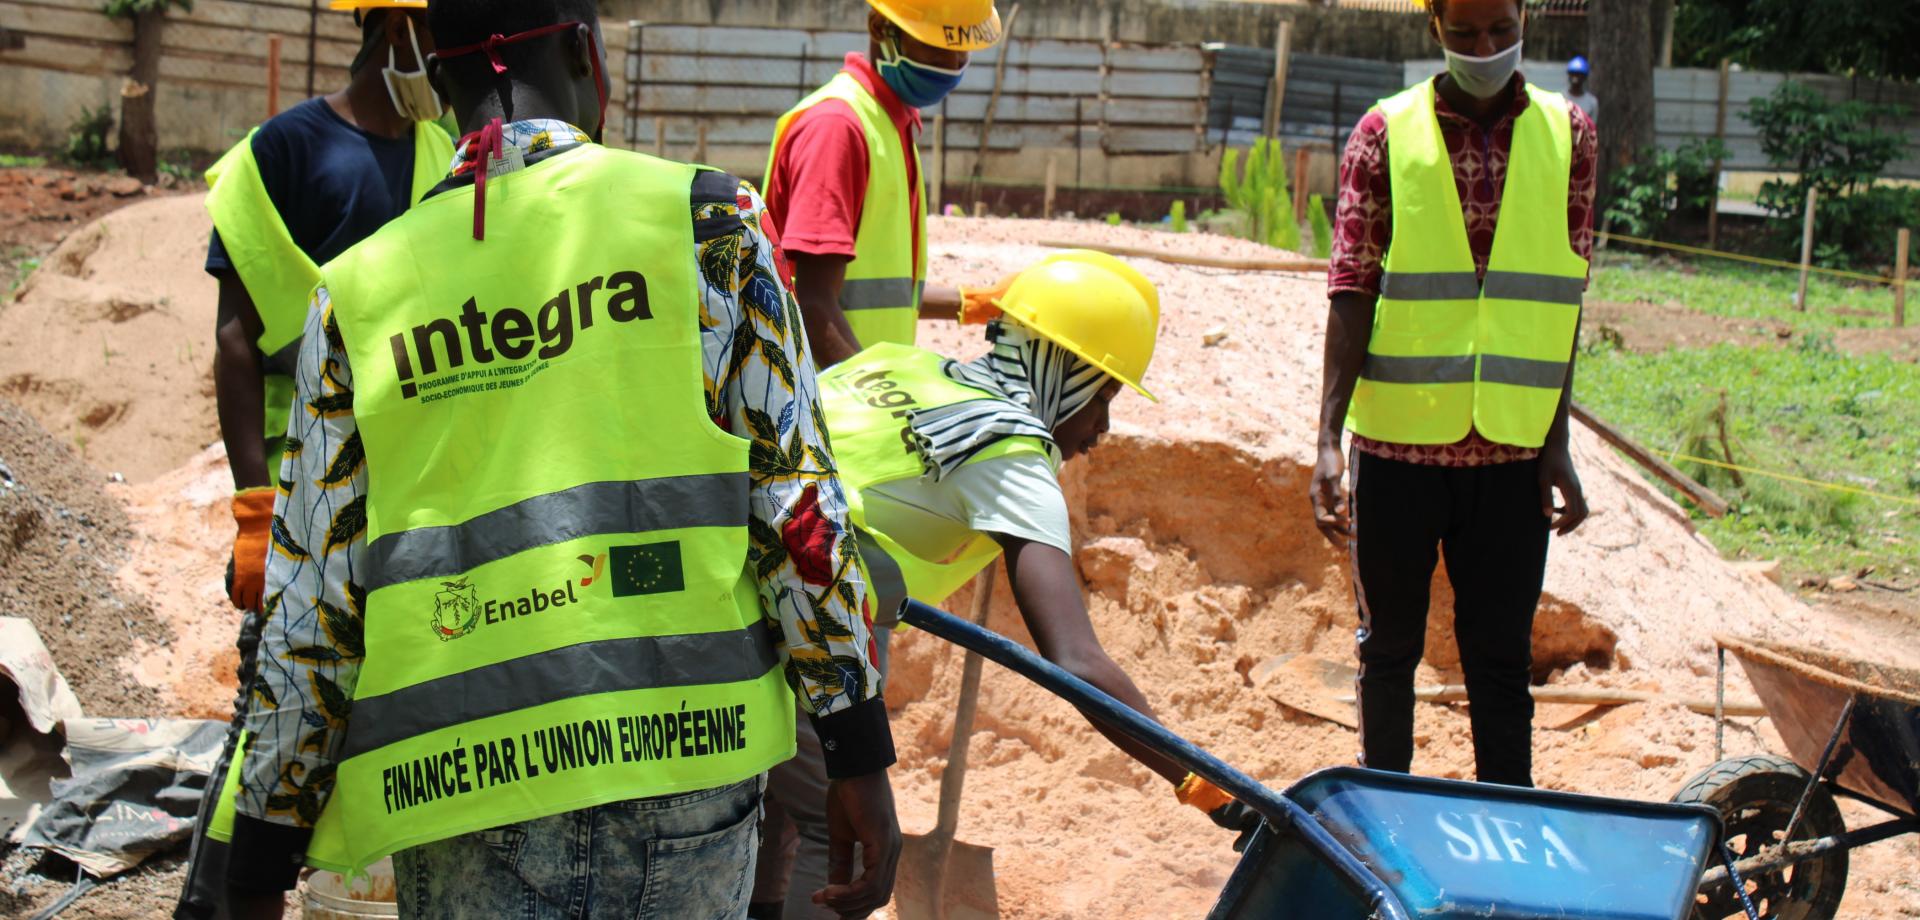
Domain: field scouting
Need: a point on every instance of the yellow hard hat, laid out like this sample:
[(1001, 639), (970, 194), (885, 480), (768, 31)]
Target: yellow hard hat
[(1090, 310), (1119, 267), (377, 4), (956, 25)]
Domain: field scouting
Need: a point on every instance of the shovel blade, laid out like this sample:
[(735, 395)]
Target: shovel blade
[(970, 892)]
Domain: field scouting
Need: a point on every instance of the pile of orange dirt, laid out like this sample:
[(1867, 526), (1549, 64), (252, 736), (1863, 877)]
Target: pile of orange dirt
[(1201, 562)]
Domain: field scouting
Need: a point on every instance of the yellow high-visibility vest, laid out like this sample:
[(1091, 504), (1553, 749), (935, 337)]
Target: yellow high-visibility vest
[(867, 399), (1450, 353), (881, 296), (559, 610), (278, 275)]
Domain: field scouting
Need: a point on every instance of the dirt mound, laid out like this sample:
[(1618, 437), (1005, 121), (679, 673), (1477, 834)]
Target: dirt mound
[(1201, 561), (109, 343), (62, 537)]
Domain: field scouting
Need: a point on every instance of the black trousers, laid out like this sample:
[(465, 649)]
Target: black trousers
[(1486, 522), (203, 896)]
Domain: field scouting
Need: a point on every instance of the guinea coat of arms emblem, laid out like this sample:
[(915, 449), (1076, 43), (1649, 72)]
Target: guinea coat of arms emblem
[(456, 609)]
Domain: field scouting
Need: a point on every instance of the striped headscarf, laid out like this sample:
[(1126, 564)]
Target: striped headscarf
[(1035, 383)]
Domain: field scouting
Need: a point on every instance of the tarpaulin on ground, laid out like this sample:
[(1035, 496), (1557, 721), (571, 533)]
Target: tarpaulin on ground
[(34, 700), (135, 789)]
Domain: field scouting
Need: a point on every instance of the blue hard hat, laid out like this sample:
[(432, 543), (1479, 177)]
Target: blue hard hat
[(1578, 64)]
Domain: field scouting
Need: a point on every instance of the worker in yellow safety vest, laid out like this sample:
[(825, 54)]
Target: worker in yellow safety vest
[(950, 465), (1456, 284), (845, 193), (295, 192), (542, 603)]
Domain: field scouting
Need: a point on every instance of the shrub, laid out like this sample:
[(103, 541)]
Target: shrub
[(1322, 228), (87, 137), (1836, 149), (1261, 194), (1662, 185), (1177, 216)]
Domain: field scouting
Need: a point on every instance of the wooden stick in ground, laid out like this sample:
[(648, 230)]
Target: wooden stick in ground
[(273, 75), (937, 172), (660, 138), (1277, 87), (1302, 159), (993, 100), (1046, 203), (1591, 696), (1719, 134), (700, 143), (1900, 279), (1806, 251), (1244, 265), (953, 779), (1700, 495)]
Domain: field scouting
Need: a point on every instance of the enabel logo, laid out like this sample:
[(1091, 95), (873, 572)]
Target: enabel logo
[(648, 568), (507, 334)]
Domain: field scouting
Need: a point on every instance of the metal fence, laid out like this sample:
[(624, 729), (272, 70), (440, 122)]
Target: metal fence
[(1325, 96)]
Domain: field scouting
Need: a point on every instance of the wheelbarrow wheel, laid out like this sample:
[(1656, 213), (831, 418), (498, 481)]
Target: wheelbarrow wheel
[(1755, 796)]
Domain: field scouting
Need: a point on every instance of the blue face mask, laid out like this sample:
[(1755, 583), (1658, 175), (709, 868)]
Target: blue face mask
[(918, 85)]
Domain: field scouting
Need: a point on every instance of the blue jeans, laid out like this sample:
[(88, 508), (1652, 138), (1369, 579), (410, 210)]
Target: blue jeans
[(667, 858)]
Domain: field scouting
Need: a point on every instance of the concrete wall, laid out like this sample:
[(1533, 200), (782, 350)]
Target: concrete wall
[(1316, 29)]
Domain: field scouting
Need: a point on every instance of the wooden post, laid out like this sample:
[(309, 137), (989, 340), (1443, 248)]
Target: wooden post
[(938, 181), (1277, 87), (1900, 280), (1046, 205), (636, 43), (700, 143), (979, 208), (1302, 160), (1806, 251), (1720, 135), (273, 75), (659, 137), (993, 101)]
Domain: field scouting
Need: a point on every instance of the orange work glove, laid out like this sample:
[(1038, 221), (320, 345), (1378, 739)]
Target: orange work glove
[(1221, 807), (976, 304), (1196, 791), (253, 512)]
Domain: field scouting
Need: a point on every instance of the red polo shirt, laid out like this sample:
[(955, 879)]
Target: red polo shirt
[(818, 182)]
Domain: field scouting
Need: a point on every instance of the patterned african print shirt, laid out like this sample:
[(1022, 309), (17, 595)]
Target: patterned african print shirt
[(759, 383)]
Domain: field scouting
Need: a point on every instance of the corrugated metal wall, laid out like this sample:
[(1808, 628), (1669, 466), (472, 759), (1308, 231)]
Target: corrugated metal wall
[(1325, 95)]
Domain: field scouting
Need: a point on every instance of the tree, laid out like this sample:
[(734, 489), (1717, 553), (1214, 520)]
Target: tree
[(139, 148), (1620, 34), (1871, 38)]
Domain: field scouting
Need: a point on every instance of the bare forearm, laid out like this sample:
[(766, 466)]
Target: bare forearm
[(238, 386), (1349, 327), (817, 281), (940, 301)]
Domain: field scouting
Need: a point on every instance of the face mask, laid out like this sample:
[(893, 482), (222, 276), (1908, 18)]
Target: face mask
[(1483, 77), (413, 97), (918, 85)]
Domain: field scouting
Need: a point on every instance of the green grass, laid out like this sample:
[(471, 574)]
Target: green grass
[(1800, 408), (14, 160), (1727, 288)]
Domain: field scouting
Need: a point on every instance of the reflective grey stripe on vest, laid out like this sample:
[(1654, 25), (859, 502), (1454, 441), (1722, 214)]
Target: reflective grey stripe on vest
[(606, 666), (878, 293), (885, 582), (1464, 286), (1398, 369), (591, 509), (1540, 288), (1430, 286), (1525, 372)]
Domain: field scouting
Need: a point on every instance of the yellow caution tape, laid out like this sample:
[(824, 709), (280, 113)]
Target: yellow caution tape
[(1757, 260), (1832, 486)]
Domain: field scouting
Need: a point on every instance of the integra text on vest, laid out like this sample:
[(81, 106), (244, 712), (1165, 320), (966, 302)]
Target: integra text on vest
[(509, 333)]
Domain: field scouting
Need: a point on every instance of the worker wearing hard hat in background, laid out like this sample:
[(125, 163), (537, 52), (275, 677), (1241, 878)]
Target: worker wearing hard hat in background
[(1464, 227), (978, 479), (297, 191), (1577, 72), (550, 574), (845, 195)]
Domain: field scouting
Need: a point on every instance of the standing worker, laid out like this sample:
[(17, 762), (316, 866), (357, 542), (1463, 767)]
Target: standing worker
[(543, 602), (297, 191), (1456, 282), (1577, 73), (979, 480), (845, 195)]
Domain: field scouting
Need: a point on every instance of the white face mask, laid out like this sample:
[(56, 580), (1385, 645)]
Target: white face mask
[(413, 96), (1483, 77)]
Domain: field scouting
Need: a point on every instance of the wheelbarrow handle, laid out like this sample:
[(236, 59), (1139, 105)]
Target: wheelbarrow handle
[(1277, 809)]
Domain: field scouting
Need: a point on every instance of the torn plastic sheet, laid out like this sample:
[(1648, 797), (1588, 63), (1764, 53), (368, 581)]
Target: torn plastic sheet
[(34, 700)]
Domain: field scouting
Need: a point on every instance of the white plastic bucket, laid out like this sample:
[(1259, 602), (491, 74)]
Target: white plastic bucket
[(329, 897)]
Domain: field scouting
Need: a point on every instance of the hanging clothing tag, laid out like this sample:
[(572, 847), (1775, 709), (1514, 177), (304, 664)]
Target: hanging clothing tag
[(514, 161)]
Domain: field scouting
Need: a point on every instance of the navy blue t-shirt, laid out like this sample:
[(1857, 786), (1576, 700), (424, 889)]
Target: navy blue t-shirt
[(332, 183)]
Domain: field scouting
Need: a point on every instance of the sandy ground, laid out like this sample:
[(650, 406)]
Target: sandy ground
[(1193, 540)]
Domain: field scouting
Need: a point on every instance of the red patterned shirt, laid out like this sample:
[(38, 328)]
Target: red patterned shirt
[(1363, 226)]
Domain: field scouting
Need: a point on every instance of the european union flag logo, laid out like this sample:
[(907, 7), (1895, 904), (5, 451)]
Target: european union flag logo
[(650, 568)]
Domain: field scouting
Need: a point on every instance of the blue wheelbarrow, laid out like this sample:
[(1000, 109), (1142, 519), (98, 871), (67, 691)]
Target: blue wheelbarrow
[(1353, 844)]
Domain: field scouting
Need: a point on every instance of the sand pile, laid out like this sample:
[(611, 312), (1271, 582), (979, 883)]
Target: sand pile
[(110, 342), (1201, 561)]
